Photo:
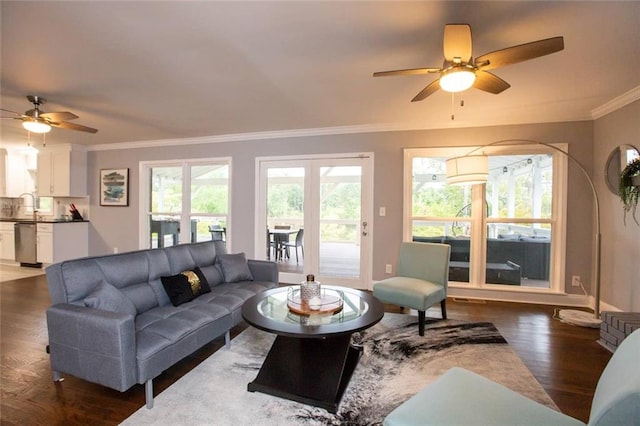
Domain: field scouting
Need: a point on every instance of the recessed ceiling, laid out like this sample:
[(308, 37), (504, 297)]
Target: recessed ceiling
[(143, 71)]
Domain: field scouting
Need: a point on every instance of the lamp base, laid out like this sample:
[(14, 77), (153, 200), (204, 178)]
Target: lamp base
[(580, 318)]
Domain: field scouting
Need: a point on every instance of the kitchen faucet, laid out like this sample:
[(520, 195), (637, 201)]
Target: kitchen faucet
[(34, 204)]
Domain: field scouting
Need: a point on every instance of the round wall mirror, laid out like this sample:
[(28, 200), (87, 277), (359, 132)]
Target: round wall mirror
[(617, 161)]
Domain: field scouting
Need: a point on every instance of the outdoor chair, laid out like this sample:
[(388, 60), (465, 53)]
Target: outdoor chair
[(423, 271), (298, 243), (217, 233)]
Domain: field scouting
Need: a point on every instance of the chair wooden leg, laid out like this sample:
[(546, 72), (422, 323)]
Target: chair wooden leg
[(421, 320), (443, 307)]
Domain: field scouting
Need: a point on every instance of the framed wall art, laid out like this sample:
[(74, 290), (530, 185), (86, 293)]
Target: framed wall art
[(114, 187)]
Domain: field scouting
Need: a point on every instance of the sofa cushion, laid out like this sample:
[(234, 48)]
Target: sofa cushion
[(185, 286), (234, 267), (108, 298)]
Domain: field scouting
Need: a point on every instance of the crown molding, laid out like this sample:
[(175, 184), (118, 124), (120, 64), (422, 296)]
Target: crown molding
[(302, 133), (236, 137), (616, 103)]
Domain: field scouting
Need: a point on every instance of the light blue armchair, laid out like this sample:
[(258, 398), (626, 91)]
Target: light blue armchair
[(460, 397), (423, 273)]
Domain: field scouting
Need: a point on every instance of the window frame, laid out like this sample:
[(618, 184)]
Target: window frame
[(479, 222), (185, 214)]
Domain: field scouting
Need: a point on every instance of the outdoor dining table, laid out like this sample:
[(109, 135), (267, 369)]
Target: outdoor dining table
[(280, 236)]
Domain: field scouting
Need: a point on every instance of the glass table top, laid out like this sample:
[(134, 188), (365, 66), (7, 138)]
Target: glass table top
[(272, 311)]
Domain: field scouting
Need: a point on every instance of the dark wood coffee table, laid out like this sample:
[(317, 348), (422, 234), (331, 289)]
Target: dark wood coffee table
[(312, 357)]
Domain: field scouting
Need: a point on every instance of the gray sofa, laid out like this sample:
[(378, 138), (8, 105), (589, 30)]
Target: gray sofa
[(112, 322)]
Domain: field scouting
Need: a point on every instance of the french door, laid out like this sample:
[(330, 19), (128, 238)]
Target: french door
[(316, 216)]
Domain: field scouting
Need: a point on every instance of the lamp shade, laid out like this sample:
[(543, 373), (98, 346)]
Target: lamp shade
[(36, 126), (470, 169), (457, 79)]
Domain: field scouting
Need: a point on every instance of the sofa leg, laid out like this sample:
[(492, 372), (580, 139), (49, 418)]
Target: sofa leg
[(443, 307), (227, 339), (421, 320), (57, 377), (148, 393)]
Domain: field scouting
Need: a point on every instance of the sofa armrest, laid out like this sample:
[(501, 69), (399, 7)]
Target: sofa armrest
[(92, 344), (263, 270)]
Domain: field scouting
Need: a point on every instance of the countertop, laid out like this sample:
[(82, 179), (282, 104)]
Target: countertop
[(23, 220)]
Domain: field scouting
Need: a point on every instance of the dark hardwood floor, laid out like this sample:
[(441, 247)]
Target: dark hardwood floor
[(565, 359)]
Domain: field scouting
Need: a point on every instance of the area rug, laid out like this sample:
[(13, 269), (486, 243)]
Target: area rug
[(396, 364)]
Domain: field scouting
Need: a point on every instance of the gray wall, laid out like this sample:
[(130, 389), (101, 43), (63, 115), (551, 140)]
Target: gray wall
[(118, 226), (620, 242)]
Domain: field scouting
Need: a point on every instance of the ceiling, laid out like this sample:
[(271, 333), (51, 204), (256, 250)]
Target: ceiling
[(146, 71)]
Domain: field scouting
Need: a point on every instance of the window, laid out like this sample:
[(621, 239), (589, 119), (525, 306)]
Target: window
[(500, 232), (187, 201)]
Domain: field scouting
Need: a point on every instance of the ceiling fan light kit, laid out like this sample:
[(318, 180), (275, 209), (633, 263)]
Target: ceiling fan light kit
[(36, 126), (457, 79)]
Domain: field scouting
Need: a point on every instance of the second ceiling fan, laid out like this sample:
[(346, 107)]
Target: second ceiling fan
[(460, 71)]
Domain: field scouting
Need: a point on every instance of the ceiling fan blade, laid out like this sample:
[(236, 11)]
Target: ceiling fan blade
[(59, 116), (429, 90), (12, 112), (520, 53), (413, 71), (490, 82), (457, 42), (72, 126)]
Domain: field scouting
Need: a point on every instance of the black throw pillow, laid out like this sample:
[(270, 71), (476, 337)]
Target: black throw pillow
[(185, 286)]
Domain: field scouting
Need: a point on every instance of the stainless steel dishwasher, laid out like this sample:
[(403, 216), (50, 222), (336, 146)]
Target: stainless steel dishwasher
[(26, 245)]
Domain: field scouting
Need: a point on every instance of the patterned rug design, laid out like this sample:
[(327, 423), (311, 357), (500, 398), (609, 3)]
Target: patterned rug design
[(396, 364)]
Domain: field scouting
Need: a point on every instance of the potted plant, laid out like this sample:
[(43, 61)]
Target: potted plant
[(629, 188)]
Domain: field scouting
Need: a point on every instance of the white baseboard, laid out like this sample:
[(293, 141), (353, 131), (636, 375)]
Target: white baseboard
[(521, 296)]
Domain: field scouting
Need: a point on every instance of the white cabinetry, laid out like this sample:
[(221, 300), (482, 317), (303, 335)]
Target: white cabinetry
[(7, 243), (16, 173), (62, 171), (62, 241)]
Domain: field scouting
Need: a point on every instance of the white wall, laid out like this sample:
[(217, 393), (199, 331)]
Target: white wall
[(118, 226), (620, 242)]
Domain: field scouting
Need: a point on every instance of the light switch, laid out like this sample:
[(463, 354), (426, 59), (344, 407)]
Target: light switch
[(383, 211)]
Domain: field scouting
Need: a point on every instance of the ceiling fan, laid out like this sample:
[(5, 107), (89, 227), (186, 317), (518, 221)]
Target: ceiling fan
[(460, 71), (37, 121)]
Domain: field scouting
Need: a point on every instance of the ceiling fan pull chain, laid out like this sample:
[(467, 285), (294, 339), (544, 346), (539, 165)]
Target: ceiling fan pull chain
[(453, 104)]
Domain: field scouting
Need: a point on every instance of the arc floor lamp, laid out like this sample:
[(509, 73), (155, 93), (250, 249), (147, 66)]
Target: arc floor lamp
[(473, 168)]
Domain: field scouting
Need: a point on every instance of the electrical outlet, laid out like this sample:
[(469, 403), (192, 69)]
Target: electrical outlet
[(575, 281), (383, 211), (388, 269)]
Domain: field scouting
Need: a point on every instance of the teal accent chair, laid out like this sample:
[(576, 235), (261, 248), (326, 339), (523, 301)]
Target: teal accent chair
[(460, 397), (423, 274)]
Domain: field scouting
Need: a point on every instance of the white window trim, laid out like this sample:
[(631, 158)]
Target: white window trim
[(558, 223), (144, 168)]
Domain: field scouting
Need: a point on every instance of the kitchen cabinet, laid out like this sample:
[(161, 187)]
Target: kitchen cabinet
[(17, 171), (62, 241), (7, 243), (62, 171)]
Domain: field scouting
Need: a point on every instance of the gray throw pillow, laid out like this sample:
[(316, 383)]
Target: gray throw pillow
[(108, 298), (234, 267)]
